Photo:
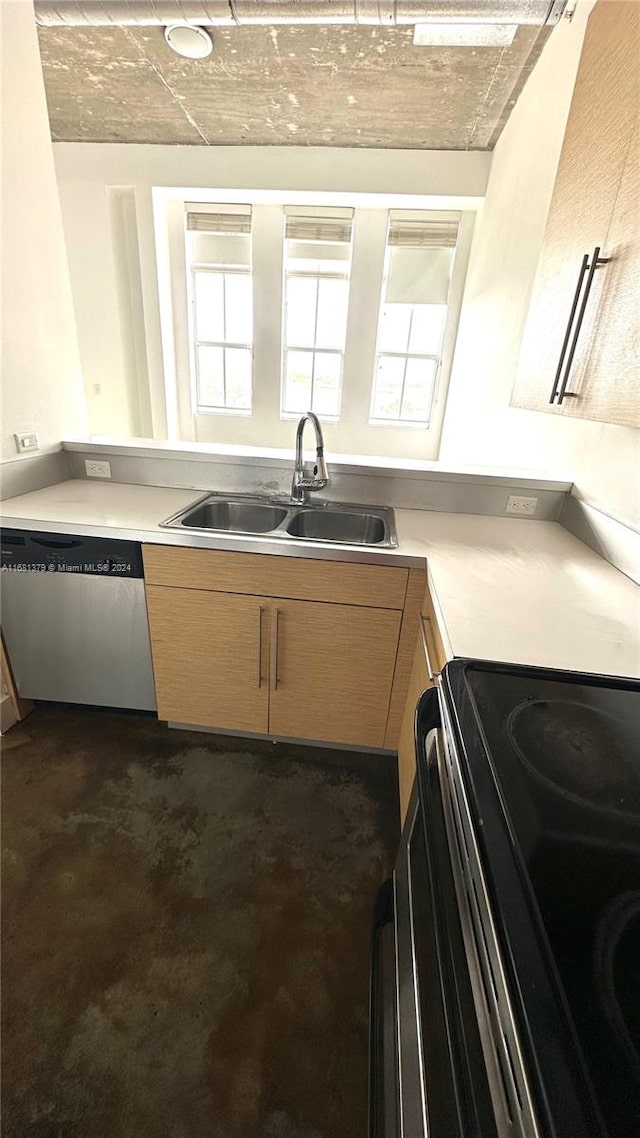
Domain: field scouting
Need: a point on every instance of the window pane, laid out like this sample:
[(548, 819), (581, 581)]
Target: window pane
[(393, 335), (209, 306), (326, 384), (418, 390), (239, 308), (333, 299), (301, 311), (317, 253), (238, 376), (297, 387), (210, 377), (427, 328), (387, 392)]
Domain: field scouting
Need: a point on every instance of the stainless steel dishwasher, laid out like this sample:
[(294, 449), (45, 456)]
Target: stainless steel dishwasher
[(74, 619)]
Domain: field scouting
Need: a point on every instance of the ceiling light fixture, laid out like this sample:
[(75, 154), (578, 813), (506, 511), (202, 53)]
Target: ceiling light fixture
[(438, 34), (189, 40)]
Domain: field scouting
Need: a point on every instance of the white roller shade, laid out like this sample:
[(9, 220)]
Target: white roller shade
[(419, 276), (219, 236), (420, 261)]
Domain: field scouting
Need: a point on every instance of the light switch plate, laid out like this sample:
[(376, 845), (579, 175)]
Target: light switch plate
[(94, 468), (26, 441)]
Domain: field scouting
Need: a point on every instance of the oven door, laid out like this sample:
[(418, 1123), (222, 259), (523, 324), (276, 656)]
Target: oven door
[(427, 1073)]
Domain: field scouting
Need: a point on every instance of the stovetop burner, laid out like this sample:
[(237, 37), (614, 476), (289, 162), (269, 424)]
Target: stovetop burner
[(577, 750)]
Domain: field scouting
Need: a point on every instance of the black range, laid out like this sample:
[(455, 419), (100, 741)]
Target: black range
[(552, 763), (506, 949)]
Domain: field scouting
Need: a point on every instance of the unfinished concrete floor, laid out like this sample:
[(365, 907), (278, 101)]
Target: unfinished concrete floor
[(186, 928)]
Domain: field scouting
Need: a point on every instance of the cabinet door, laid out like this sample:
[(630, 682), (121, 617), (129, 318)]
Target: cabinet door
[(419, 680), (599, 128), (331, 671), (606, 382), (210, 658)]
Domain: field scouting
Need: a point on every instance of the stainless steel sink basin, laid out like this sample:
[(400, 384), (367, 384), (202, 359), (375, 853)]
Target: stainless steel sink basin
[(237, 516), (338, 525), (316, 521)]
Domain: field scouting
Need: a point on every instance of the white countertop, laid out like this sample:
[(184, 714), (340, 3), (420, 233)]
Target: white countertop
[(506, 588)]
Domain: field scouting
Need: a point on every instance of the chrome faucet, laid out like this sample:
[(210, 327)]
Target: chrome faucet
[(302, 484)]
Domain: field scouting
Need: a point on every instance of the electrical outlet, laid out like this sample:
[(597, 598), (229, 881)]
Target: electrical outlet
[(97, 469), (26, 441), (523, 506)]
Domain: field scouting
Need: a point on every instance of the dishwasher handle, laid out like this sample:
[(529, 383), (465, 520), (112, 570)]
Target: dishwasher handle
[(57, 543)]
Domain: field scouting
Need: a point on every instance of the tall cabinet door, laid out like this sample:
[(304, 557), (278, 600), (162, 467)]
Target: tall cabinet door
[(331, 671), (606, 382), (601, 121), (210, 657)]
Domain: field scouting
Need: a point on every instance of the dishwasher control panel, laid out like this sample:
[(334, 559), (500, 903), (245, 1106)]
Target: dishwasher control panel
[(31, 551)]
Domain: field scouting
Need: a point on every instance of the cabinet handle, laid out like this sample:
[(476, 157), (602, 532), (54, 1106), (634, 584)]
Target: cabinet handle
[(583, 268), (260, 612), (424, 620), (596, 262), (276, 650)]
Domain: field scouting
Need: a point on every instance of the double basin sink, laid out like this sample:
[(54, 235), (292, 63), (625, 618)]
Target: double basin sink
[(318, 521)]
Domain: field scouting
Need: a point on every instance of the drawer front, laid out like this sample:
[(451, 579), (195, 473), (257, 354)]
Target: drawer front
[(338, 582)]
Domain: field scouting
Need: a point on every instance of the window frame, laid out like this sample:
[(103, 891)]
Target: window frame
[(315, 349), (267, 426), (195, 343)]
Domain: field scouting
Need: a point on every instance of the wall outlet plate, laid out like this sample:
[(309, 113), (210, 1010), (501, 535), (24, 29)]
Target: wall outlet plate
[(26, 441), (523, 506), (94, 468)]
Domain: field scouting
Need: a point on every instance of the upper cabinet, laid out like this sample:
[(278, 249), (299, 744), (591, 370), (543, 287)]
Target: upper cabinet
[(580, 353)]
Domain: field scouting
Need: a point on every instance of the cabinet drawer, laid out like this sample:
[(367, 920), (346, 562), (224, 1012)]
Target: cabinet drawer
[(298, 578)]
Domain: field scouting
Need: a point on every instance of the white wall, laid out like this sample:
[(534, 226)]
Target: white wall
[(603, 460), (41, 374), (129, 370)]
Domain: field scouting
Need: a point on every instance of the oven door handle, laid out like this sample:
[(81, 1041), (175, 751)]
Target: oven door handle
[(427, 717)]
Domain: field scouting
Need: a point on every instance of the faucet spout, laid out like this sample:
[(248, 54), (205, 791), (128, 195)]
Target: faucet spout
[(302, 483)]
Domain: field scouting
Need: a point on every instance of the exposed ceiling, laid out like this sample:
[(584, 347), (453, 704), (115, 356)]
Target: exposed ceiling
[(308, 85)]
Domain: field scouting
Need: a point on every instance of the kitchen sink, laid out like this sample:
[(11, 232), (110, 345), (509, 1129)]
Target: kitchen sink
[(285, 520), (354, 528), (234, 515)]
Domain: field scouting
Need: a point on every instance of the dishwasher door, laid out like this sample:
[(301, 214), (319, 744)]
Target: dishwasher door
[(75, 620)]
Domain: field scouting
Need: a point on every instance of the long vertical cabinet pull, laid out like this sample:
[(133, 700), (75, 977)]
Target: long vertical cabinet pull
[(431, 671), (563, 351), (596, 262), (260, 614), (276, 649)]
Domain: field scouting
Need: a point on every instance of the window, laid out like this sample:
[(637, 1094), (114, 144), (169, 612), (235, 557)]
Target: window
[(413, 314), (272, 308), (317, 267), (219, 254)]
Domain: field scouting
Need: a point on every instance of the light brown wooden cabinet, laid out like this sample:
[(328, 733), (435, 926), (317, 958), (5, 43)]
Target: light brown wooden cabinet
[(429, 658), (209, 661), (332, 671), (264, 658), (595, 204)]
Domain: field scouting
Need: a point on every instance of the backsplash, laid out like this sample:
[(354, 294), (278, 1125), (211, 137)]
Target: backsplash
[(408, 488)]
